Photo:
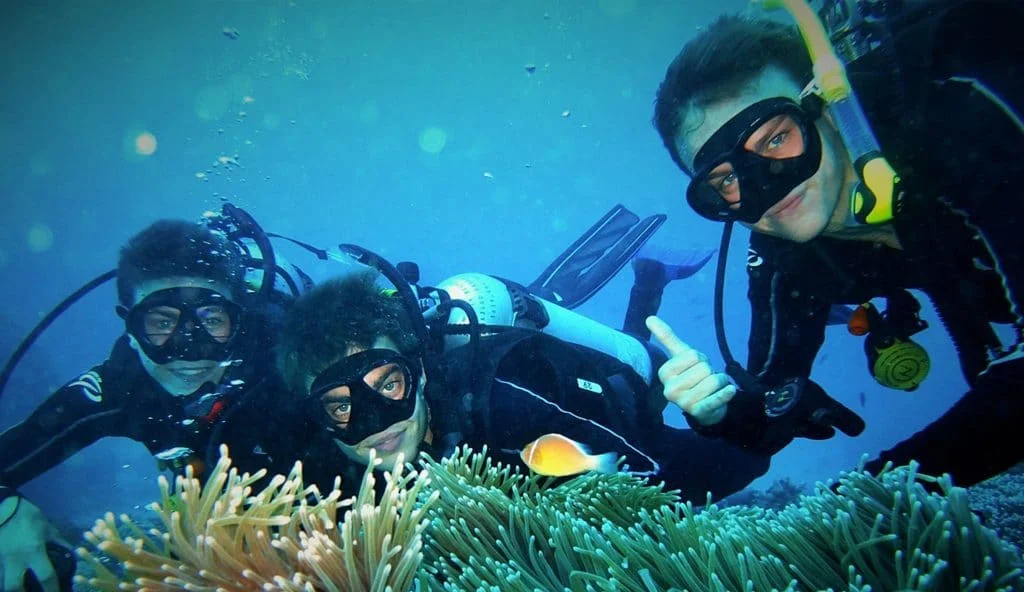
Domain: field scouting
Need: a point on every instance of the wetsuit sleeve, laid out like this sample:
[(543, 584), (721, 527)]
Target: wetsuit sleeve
[(76, 415)]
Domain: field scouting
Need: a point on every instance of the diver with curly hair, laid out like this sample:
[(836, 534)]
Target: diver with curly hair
[(350, 354)]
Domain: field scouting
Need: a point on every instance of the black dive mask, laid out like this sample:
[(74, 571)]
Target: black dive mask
[(189, 324), (382, 390), (740, 180)]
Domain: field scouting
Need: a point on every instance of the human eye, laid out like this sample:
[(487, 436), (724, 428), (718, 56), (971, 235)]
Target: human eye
[(339, 411), (725, 183), (784, 140), (778, 140), (213, 322), (159, 320), (392, 386)]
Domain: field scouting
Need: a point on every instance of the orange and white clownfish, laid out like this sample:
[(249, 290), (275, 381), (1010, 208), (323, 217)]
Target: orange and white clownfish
[(554, 455)]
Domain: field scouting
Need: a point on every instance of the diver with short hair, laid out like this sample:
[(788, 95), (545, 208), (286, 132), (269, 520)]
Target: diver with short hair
[(892, 170), (195, 349)]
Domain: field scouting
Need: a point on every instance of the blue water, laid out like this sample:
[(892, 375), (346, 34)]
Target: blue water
[(411, 127)]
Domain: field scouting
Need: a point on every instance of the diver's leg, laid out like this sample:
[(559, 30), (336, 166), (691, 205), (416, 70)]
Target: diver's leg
[(649, 281), (653, 269), (978, 438)]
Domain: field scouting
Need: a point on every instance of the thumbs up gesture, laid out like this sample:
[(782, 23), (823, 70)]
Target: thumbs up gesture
[(689, 381)]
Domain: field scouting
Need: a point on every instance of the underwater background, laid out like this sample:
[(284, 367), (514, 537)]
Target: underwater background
[(471, 135)]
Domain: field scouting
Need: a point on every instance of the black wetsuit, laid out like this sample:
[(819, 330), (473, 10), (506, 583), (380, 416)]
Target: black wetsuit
[(526, 384), (959, 225), (119, 398)]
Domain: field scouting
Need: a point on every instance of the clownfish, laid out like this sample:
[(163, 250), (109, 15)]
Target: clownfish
[(554, 455)]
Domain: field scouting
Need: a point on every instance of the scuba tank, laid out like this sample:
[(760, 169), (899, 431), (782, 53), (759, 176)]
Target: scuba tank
[(498, 302)]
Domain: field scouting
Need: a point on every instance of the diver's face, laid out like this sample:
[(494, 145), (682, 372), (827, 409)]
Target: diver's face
[(400, 438), (179, 377), (809, 208)]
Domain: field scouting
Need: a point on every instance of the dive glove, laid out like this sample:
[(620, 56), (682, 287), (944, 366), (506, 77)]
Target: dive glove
[(24, 563), (767, 422)]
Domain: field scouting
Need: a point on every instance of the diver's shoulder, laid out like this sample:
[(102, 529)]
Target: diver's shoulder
[(123, 367)]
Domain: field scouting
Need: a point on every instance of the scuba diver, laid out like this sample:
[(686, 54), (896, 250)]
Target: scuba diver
[(407, 367), (894, 169), (196, 348), (358, 359)]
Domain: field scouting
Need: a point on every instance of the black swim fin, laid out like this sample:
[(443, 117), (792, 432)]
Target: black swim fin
[(594, 259)]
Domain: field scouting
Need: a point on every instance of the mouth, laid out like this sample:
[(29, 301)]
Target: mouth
[(192, 372), (390, 442), (786, 206)]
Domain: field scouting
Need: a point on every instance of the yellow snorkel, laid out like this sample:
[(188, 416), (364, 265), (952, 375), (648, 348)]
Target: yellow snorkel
[(872, 201)]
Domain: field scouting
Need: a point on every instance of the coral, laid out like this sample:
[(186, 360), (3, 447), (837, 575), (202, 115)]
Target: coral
[(779, 494), (467, 523), (492, 529), (1001, 501), (286, 537)]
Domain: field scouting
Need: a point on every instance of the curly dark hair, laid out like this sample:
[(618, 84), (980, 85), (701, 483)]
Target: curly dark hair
[(341, 313), (718, 63), (178, 248)]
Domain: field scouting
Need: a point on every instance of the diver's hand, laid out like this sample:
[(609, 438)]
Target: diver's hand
[(23, 555), (689, 381)]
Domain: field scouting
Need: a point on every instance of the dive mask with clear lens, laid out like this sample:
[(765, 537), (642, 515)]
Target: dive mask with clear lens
[(380, 388), (753, 161), (188, 324)]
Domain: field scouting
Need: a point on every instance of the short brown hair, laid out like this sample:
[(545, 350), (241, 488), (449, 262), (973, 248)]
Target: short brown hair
[(178, 248)]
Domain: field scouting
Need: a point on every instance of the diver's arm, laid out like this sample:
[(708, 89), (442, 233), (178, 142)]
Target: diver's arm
[(787, 330), (808, 413), (763, 420), (73, 417)]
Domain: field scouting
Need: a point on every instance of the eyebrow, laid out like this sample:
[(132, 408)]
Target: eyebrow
[(377, 383), (329, 398), (216, 305), (720, 174)]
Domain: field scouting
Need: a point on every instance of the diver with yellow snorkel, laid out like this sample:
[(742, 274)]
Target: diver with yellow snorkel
[(892, 170)]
